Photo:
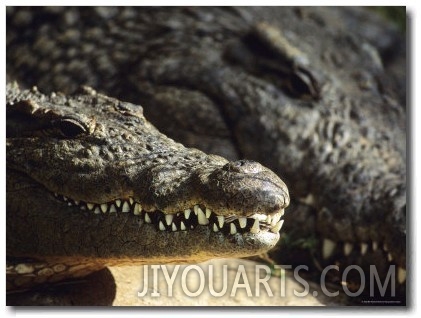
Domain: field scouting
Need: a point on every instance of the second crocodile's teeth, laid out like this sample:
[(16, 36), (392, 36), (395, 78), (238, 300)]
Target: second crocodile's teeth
[(112, 208), (364, 247), (348, 248), (401, 275), (375, 246), (97, 210), (118, 203), (328, 248), (233, 229), (242, 222), (182, 226), (277, 227), (201, 216), (90, 206), (256, 227), (187, 214), (215, 227), (174, 227), (169, 218)]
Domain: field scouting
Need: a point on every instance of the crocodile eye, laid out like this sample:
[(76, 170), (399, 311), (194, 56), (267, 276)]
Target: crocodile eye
[(70, 128)]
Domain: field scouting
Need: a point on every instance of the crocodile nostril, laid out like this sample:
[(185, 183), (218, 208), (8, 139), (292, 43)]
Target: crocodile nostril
[(243, 166)]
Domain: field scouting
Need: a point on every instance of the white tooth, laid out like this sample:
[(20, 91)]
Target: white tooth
[(401, 275), (137, 209), (112, 208), (269, 219), (126, 207), (161, 226), (282, 212), (174, 227), (348, 248), (256, 226), (328, 248), (65, 198), (277, 227), (375, 246), (77, 202), (182, 226), (104, 207), (187, 214), (233, 229), (69, 203), (97, 210), (201, 216), (83, 207), (385, 248), (195, 209), (118, 203), (131, 200), (364, 248), (220, 221), (275, 218), (147, 218), (169, 218), (90, 206), (389, 257), (242, 222), (208, 213), (215, 227)]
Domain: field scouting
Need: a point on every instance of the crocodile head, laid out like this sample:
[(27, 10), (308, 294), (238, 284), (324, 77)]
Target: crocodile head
[(91, 183)]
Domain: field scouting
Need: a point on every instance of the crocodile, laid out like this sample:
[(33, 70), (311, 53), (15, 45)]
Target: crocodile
[(315, 94), (91, 183)]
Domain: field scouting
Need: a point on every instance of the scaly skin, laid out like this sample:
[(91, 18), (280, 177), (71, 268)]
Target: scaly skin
[(315, 94), (91, 183)]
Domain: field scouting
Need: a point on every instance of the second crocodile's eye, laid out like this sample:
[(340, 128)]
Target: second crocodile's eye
[(70, 128)]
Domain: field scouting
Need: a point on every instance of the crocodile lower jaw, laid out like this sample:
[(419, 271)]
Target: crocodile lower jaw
[(185, 220)]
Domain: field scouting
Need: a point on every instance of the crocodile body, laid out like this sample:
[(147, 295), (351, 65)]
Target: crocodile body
[(315, 94)]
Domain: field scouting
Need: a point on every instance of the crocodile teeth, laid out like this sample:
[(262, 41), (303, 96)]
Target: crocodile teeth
[(90, 206), (208, 213), (328, 248), (131, 200), (276, 218), (389, 257), (221, 220), (174, 227), (161, 226), (348, 248), (277, 227), (233, 229), (137, 209), (201, 217), (112, 208), (126, 207), (169, 218), (97, 210), (401, 275), (77, 202), (242, 222), (215, 227), (385, 248), (104, 207), (182, 226), (65, 198), (187, 214), (375, 246), (118, 203), (147, 218), (364, 247), (256, 227)]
